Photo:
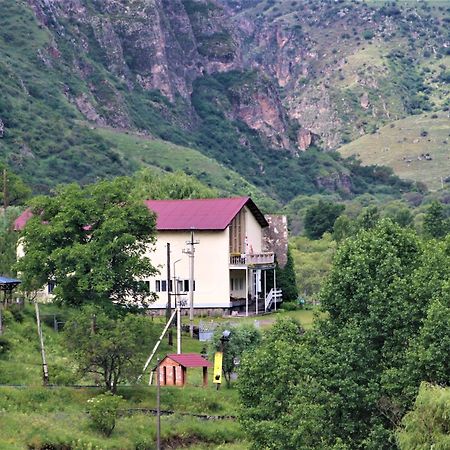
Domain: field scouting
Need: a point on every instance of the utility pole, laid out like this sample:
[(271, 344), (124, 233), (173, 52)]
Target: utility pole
[(5, 188), (41, 342), (169, 303), (190, 252), (177, 306), (158, 406)]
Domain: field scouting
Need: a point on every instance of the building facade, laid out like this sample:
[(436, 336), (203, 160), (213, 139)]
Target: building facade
[(216, 246)]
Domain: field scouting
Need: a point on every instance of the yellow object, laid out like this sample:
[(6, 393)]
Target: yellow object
[(218, 357)]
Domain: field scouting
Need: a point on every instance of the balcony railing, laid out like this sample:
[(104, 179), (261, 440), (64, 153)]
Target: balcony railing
[(254, 259)]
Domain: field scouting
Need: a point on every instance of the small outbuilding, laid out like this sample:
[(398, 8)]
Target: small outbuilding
[(173, 368)]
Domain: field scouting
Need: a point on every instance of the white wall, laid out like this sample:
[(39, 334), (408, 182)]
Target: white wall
[(211, 266), (253, 231)]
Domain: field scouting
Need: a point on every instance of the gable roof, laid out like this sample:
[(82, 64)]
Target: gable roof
[(22, 220), (189, 360), (196, 214), (201, 214)]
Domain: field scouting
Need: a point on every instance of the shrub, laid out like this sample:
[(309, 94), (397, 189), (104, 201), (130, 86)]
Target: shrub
[(5, 345), (368, 35), (103, 412)]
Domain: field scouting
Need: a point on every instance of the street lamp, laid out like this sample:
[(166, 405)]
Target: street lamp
[(223, 340), (177, 306)]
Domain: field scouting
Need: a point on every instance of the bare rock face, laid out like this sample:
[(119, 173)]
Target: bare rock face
[(159, 44), (304, 139), (87, 109), (261, 110), (364, 101), (335, 182), (2, 128)]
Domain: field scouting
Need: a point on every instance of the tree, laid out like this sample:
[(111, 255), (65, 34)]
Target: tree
[(242, 339), (347, 379), (91, 241), (343, 228), (368, 218), (17, 192), (427, 425), (178, 185), (8, 240), (435, 224), (320, 218), (115, 349), (286, 279), (282, 402)]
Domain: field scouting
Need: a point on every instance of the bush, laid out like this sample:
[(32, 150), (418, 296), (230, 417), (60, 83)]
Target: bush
[(5, 345), (290, 306), (103, 412), (17, 313)]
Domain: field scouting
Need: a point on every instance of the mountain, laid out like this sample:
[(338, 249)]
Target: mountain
[(265, 88)]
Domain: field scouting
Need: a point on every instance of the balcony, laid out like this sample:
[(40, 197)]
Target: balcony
[(253, 260)]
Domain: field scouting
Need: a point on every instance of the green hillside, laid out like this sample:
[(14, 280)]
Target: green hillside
[(404, 146), (166, 156)]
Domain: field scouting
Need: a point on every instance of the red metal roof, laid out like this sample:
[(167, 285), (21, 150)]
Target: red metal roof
[(22, 220), (197, 214), (201, 214), (189, 360)]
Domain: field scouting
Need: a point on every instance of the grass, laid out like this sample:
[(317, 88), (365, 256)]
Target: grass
[(32, 416), (304, 316), (171, 157), (49, 418), (400, 144)]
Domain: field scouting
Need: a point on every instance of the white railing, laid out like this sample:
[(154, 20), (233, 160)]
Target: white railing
[(274, 296), (252, 259)]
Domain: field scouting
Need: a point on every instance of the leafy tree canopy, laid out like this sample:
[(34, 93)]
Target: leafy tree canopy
[(427, 425), (151, 184), (435, 224), (91, 242), (349, 381), (17, 192), (242, 338), (115, 349), (320, 218)]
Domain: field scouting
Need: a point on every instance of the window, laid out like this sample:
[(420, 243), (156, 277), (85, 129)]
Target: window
[(50, 286), (185, 286), (163, 285), (237, 284), (158, 286)]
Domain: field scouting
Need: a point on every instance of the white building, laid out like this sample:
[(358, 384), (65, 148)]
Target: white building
[(231, 263)]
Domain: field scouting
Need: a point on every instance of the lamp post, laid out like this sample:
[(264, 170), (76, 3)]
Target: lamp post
[(177, 305), (223, 339)]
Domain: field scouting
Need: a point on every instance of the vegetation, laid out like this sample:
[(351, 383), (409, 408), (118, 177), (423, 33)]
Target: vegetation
[(112, 348), (102, 410), (400, 146), (320, 218), (352, 378), (426, 426), (243, 338), (90, 242)]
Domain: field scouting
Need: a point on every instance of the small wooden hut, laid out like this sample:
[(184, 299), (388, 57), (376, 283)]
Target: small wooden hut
[(173, 368)]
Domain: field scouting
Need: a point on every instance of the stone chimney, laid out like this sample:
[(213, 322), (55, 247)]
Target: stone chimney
[(276, 237)]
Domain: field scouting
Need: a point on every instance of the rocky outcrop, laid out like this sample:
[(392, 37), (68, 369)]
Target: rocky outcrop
[(364, 101), (160, 45), (2, 128), (335, 182), (304, 139), (258, 105), (87, 109)]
